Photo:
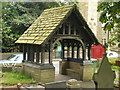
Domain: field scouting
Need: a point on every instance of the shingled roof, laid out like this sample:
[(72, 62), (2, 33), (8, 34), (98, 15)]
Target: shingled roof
[(45, 24)]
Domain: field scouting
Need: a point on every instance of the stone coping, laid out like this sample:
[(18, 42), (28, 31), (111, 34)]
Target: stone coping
[(84, 63), (42, 66)]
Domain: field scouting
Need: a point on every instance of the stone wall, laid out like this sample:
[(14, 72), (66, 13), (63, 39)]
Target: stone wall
[(77, 71), (41, 73), (88, 10)]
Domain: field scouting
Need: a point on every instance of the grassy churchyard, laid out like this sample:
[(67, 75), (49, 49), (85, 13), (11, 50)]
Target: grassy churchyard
[(12, 78)]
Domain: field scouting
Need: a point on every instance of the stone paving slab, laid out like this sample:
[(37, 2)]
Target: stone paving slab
[(59, 77)]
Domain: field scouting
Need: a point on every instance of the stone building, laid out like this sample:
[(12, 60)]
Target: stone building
[(89, 12)]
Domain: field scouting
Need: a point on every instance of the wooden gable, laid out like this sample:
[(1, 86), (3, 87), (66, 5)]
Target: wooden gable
[(52, 21)]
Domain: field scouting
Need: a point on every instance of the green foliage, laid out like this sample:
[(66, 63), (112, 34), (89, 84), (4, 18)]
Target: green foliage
[(17, 17), (11, 78), (112, 60), (110, 16)]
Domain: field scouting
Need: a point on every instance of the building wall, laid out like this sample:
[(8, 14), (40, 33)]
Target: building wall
[(83, 6), (88, 10)]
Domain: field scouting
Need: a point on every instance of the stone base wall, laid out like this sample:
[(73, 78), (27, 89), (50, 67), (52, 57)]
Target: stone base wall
[(88, 72), (41, 73), (77, 71)]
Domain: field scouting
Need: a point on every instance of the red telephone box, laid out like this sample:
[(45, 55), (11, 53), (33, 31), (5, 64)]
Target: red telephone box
[(97, 51)]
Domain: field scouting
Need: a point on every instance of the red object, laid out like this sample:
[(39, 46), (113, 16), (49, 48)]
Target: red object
[(97, 51)]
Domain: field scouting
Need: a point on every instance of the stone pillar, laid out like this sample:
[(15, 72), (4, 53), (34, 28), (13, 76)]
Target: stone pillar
[(88, 71)]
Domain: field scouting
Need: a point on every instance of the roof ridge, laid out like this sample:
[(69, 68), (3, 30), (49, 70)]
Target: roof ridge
[(65, 6)]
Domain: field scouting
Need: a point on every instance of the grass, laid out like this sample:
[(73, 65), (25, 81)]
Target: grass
[(115, 68), (12, 78), (112, 60)]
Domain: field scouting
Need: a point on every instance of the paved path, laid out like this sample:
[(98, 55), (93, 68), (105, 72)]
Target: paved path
[(59, 77)]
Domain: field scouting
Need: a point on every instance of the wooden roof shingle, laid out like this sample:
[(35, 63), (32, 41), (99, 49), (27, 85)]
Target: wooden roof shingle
[(47, 23), (44, 25)]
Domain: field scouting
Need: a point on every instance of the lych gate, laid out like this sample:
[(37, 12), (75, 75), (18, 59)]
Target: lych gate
[(67, 26)]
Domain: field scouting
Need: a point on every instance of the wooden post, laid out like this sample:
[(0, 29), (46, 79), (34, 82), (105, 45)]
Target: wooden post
[(31, 53), (50, 53), (68, 51), (24, 53), (28, 53), (72, 50), (78, 51), (84, 52), (42, 54), (64, 29), (89, 48), (63, 53), (37, 54), (74, 29), (69, 28)]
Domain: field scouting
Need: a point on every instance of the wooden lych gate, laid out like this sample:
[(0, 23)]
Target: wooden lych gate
[(62, 24)]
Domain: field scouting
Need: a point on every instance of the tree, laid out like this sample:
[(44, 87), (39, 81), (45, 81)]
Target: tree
[(17, 17), (110, 16)]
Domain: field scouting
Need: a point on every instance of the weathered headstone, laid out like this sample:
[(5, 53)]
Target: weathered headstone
[(104, 78), (61, 85)]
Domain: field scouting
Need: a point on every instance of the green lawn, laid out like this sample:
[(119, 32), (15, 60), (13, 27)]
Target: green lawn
[(112, 60), (12, 78)]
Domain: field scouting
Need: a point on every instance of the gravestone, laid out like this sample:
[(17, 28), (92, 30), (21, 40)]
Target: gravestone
[(104, 78), (59, 85)]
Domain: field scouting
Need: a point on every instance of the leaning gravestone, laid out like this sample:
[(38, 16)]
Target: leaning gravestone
[(104, 78)]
